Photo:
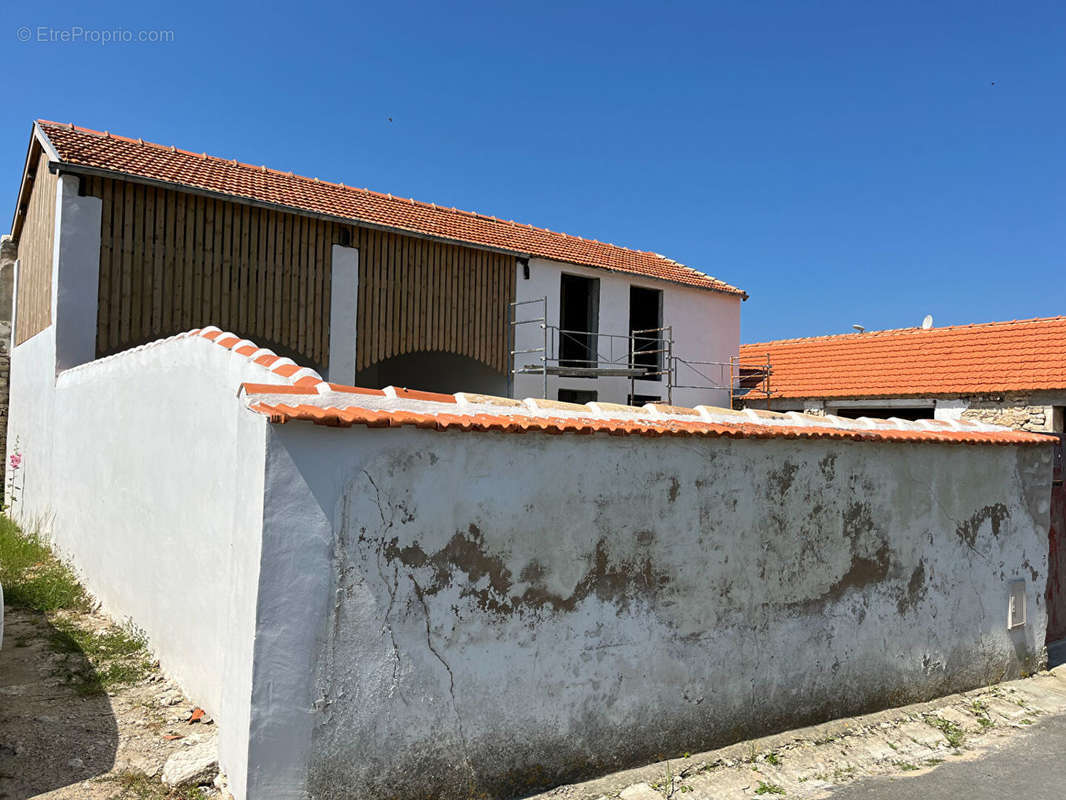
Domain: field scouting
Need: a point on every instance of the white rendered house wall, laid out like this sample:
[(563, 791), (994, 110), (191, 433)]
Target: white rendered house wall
[(706, 327)]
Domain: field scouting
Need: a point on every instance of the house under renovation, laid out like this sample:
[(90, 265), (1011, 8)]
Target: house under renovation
[(365, 287), (391, 592)]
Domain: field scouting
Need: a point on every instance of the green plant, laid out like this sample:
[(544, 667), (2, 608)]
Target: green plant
[(32, 576), (114, 656), (135, 785), (772, 758), (769, 788), (979, 709), (952, 732)]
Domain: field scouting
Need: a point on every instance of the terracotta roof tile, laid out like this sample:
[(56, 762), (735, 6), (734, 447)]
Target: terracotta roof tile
[(1020, 355), (299, 393), (355, 415), (78, 146), (340, 406)]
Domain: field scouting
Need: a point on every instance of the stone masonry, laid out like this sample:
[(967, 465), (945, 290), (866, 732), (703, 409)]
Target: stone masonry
[(1025, 411)]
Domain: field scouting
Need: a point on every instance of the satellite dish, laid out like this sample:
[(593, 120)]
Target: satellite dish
[(927, 323), (859, 328)]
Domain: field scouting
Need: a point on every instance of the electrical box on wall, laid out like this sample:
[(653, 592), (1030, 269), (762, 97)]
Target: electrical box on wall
[(1016, 605)]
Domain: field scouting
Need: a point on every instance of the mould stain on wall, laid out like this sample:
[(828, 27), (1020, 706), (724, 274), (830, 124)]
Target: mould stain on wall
[(507, 619)]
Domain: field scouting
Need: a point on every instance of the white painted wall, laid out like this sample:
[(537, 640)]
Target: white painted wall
[(343, 304), (502, 609), (706, 327), (150, 473), (950, 408), (30, 422), (76, 273)]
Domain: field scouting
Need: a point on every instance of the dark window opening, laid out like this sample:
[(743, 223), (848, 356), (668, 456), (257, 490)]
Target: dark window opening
[(1058, 423), (885, 413), (645, 323), (578, 315), (642, 399), (581, 396), (344, 237)]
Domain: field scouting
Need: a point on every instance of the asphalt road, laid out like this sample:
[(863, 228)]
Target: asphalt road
[(1031, 766)]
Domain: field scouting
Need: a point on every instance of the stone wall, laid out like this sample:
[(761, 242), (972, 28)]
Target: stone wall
[(1024, 411)]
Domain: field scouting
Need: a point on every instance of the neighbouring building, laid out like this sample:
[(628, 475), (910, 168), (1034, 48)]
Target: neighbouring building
[(365, 287), (1007, 373)]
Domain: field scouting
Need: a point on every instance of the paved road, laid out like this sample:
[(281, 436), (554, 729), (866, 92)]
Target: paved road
[(1031, 766)]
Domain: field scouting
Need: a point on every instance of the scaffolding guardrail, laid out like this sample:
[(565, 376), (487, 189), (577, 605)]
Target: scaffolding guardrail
[(638, 355)]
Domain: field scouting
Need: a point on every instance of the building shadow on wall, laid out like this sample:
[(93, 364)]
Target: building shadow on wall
[(57, 726)]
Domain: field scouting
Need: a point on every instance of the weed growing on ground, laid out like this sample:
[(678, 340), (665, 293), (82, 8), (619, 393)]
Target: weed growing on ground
[(33, 577), (979, 709), (135, 785), (772, 758), (952, 732), (769, 788), (116, 656), (906, 766)]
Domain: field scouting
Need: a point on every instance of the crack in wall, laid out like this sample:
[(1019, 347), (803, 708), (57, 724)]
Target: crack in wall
[(451, 677), (386, 622)]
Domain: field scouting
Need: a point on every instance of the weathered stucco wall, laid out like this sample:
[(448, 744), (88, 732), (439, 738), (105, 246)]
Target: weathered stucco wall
[(511, 611)]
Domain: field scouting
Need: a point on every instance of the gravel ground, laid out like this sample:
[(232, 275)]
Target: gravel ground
[(60, 741)]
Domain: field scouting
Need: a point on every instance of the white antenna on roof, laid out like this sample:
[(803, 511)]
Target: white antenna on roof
[(927, 323)]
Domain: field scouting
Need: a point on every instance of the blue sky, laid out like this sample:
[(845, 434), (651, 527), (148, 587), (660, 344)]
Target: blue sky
[(843, 162)]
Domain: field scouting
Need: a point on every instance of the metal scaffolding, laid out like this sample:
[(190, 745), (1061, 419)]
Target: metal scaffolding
[(638, 355)]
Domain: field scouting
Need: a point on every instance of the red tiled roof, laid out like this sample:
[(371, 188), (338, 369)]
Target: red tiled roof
[(300, 394), (78, 146), (1020, 355), (442, 421)]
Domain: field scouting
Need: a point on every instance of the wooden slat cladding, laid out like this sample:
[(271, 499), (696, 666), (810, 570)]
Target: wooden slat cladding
[(417, 295), (172, 261), (33, 306)]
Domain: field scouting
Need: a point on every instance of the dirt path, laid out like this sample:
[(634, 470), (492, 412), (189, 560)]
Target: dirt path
[(63, 737)]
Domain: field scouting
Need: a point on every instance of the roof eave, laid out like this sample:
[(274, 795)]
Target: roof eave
[(939, 395), (38, 138), (59, 166)]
